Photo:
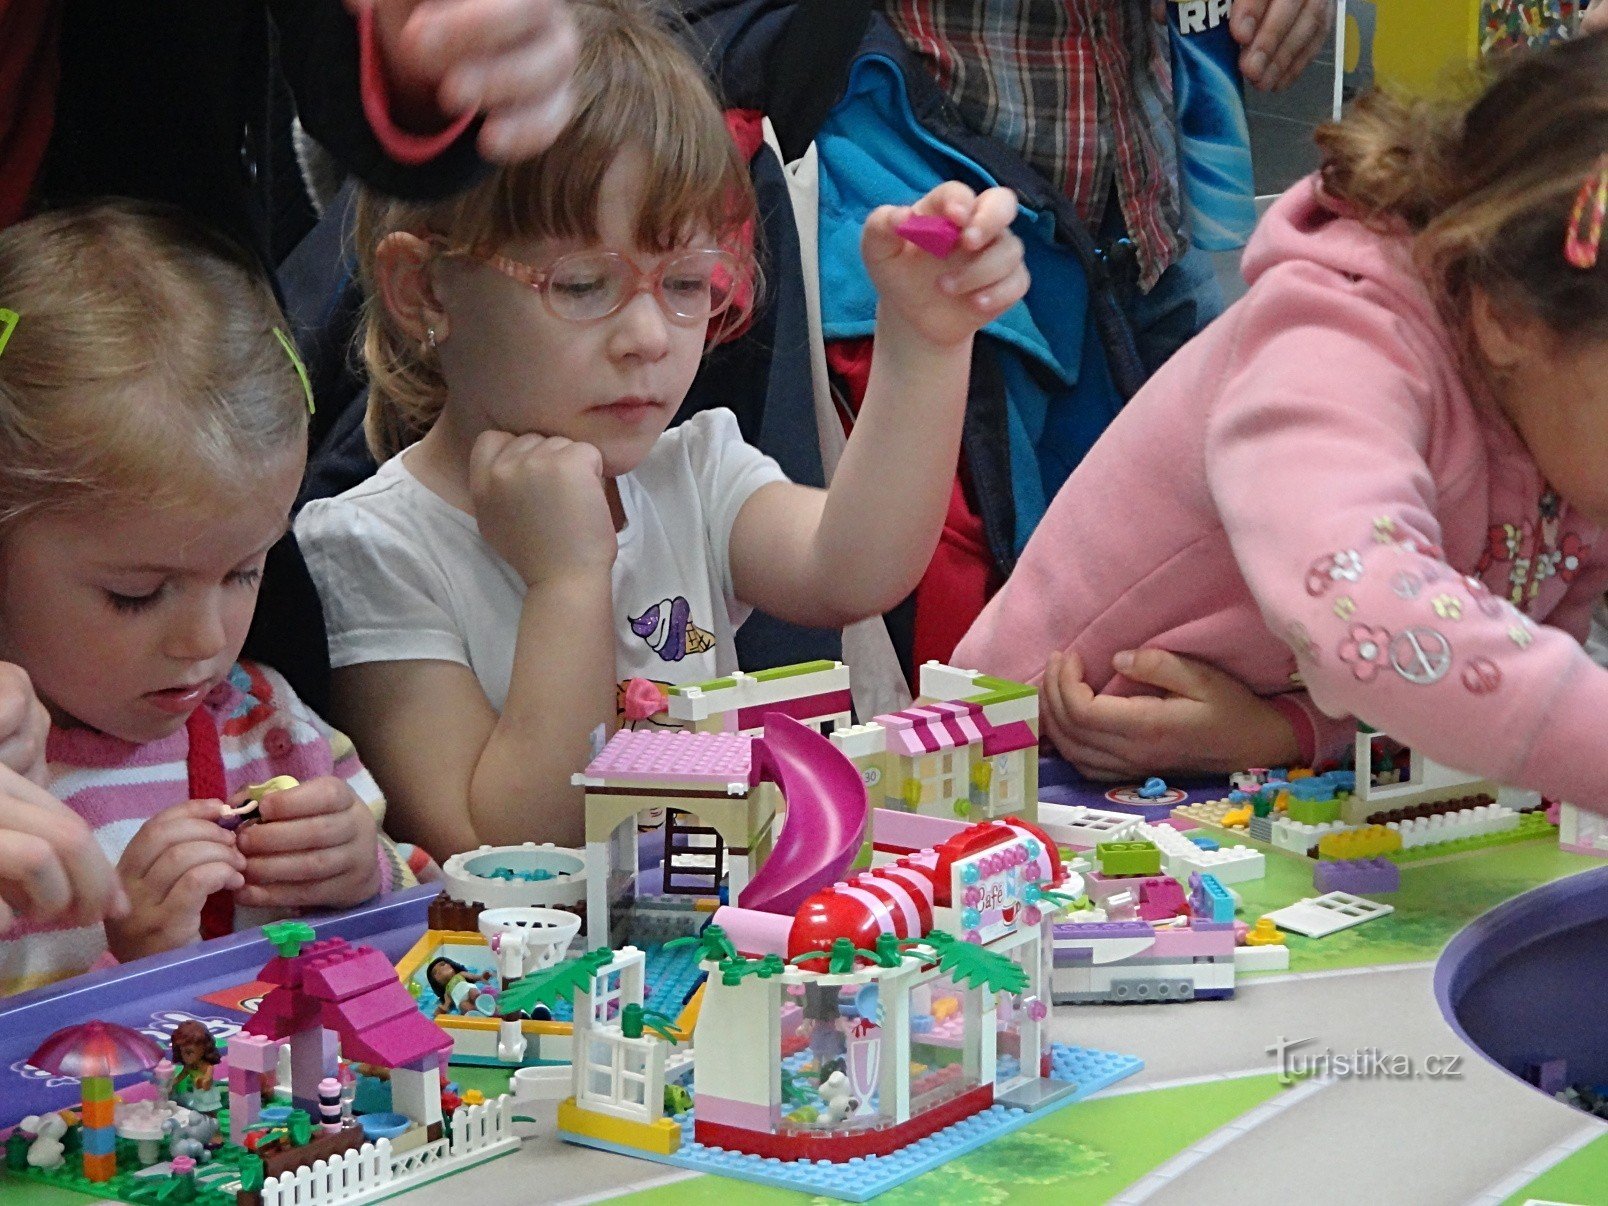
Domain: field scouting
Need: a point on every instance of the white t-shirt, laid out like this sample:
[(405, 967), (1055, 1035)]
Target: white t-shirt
[(404, 575)]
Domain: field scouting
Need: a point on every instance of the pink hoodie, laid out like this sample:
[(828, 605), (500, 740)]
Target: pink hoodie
[(1311, 475)]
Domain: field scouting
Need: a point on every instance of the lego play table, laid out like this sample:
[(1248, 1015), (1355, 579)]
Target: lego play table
[(1423, 1119)]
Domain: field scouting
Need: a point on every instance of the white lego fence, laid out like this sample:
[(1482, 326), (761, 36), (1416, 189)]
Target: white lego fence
[(372, 1172)]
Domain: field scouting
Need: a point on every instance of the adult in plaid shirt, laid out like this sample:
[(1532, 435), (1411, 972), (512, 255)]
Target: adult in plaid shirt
[(1082, 89)]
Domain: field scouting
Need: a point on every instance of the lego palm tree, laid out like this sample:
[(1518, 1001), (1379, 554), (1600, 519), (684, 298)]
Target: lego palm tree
[(553, 984)]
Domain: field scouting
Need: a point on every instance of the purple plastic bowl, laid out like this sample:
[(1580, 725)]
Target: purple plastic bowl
[(1525, 982)]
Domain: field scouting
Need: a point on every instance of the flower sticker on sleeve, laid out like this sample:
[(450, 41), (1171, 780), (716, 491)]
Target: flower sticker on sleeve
[(1344, 566), (1384, 530), (1571, 556), (1447, 607), (1365, 650), (1521, 636)]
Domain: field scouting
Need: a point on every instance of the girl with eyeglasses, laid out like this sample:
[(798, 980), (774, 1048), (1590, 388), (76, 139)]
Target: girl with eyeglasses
[(536, 535)]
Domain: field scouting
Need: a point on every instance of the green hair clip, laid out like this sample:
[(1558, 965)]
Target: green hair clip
[(284, 342), (8, 324)]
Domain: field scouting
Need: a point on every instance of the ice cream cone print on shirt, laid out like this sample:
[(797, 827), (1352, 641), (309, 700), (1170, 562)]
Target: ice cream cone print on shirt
[(668, 629)]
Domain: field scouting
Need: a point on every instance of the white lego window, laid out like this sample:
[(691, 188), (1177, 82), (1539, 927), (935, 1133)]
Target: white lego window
[(1323, 915), (947, 789), (1005, 787), (606, 992), (623, 1076)]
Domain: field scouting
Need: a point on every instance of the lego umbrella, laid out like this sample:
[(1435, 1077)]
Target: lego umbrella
[(96, 1050)]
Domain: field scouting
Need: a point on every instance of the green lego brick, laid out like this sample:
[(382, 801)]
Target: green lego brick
[(999, 690), (95, 1088), (776, 672), (1129, 858), (1314, 812), (714, 684)]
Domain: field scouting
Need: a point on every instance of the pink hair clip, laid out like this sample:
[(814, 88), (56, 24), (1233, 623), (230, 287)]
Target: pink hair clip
[(1584, 242)]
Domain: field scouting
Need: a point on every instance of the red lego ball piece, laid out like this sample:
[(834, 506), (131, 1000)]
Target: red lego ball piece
[(933, 233)]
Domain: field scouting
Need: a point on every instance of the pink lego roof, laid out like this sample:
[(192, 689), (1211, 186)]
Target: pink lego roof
[(675, 756), (354, 991), (928, 728)]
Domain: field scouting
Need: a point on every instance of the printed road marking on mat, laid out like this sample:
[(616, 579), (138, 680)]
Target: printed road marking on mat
[(1166, 1174), (1544, 1162)]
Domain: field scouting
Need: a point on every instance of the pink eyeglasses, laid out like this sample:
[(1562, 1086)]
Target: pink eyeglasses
[(690, 287)]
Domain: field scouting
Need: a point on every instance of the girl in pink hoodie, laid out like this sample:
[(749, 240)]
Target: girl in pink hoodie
[(1375, 488)]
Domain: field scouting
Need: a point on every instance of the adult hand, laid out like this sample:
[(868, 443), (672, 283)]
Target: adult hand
[(946, 301), (177, 859), (1208, 722), (510, 59), (24, 725), (540, 502), (315, 846), (51, 867), (1280, 37)]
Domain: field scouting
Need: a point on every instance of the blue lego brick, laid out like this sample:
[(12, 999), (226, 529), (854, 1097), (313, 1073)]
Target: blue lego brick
[(672, 977), (863, 1179), (1203, 841), (101, 1142)]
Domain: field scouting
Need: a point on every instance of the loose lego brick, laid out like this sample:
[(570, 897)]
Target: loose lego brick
[(1359, 876), (1129, 858)]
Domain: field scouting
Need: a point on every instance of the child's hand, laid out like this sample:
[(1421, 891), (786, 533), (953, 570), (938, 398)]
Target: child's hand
[(1596, 19), (316, 846), (51, 866), (177, 859), (1208, 723), (947, 301), (539, 501), (24, 725)]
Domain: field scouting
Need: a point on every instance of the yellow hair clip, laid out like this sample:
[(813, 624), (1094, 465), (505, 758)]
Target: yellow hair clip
[(295, 363), (8, 324)]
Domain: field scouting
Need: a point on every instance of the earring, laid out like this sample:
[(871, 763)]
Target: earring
[(430, 338)]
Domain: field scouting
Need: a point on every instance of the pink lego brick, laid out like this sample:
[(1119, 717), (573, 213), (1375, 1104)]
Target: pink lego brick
[(338, 975), (283, 1012), (372, 1008), (398, 1042), (677, 756), (933, 233), (252, 1053), (1161, 897), (244, 1080), (1174, 943)]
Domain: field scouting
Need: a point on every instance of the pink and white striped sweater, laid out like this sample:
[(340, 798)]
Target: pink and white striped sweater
[(264, 730)]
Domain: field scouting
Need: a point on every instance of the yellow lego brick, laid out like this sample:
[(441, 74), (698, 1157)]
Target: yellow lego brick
[(1370, 841), (662, 1137)]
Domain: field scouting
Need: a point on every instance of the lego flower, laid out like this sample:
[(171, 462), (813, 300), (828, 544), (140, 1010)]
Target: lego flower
[(1365, 649)]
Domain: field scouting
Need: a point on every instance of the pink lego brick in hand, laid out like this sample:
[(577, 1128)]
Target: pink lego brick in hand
[(933, 233)]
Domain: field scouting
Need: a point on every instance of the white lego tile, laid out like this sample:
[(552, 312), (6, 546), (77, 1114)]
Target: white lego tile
[(1320, 916)]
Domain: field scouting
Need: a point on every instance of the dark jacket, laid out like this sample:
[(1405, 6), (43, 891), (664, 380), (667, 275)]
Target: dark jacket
[(189, 101)]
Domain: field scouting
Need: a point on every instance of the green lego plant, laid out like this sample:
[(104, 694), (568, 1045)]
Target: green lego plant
[(972, 966), (551, 985)]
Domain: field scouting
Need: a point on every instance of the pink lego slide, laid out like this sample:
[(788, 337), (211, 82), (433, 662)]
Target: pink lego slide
[(826, 816)]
